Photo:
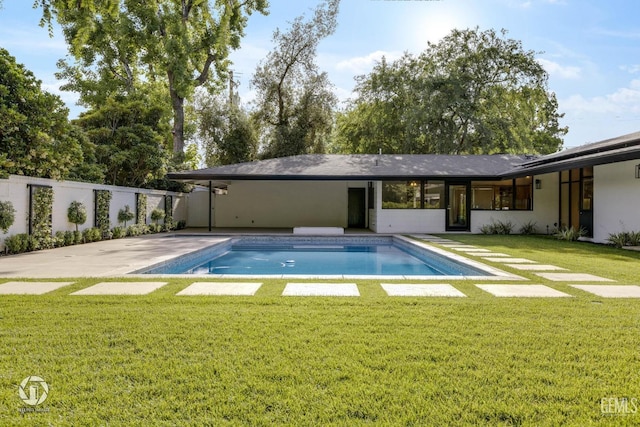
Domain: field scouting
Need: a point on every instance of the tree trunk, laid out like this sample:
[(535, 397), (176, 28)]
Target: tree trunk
[(177, 103)]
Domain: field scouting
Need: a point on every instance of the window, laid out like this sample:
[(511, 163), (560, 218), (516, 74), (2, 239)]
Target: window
[(416, 194), (433, 194), (502, 195), (401, 195)]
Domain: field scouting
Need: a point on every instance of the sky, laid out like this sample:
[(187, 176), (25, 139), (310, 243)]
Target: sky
[(590, 48)]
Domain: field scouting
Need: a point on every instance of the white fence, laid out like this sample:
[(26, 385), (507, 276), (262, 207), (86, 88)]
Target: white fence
[(16, 189)]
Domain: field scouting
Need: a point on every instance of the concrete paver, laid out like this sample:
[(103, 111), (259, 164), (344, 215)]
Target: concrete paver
[(221, 288), (611, 291), (321, 289), (30, 288), (573, 277), (121, 288), (421, 290), (521, 291)]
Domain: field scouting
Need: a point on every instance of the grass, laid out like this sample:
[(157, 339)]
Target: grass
[(160, 359)]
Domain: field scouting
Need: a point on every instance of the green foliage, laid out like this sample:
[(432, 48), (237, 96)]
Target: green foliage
[(570, 234), (103, 203), (141, 209), (118, 232), (157, 215), (227, 134), (35, 136), (497, 227), (294, 99), (42, 211), (474, 92), (7, 215), (125, 215), (625, 238), (529, 228), (137, 230), (17, 243), (119, 46), (77, 213), (93, 234), (127, 133)]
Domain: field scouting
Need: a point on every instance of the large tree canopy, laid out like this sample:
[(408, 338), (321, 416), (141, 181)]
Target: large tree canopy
[(179, 42), (295, 101), (36, 138), (129, 139), (474, 92)]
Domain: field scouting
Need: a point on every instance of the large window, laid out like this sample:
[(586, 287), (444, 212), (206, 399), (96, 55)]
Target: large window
[(502, 195), (416, 194)]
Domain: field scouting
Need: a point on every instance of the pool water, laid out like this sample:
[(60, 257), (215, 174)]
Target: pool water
[(379, 257)]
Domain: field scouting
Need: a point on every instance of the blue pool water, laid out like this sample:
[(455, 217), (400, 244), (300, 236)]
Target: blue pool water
[(342, 256)]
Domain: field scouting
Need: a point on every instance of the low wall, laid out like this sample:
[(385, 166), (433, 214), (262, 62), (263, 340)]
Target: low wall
[(16, 190)]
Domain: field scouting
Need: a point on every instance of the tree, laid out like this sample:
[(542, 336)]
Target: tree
[(77, 214), (35, 136), (129, 140), (475, 92), (294, 99), (125, 215), (7, 215), (179, 42), (225, 130)]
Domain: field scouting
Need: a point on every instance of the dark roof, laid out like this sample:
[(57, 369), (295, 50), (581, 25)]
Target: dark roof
[(622, 148), (371, 167), (358, 167)]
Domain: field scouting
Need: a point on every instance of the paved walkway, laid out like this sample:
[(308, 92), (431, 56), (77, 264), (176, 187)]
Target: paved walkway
[(102, 259)]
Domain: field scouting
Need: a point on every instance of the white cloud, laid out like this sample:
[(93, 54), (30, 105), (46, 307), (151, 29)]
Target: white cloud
[(555, 69), (623, 101), (363, 64), (631, 69)]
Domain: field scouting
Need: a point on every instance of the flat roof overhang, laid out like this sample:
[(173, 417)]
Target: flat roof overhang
[(622, 154)]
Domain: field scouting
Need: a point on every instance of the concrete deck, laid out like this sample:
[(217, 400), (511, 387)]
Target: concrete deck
[(110, 258)]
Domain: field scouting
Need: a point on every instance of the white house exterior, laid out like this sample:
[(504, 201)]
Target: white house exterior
[(595, 186)]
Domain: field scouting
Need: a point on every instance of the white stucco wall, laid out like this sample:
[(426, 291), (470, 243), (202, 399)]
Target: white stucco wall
[(616, 199), (15, 190), (283, 204)]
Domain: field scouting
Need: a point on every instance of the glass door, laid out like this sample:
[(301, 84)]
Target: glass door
[(457, 207)]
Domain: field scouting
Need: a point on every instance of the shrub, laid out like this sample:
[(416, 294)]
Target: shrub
[(7, 216), (58, 239), (570, 234), (41, 220), (70, 238), (528, 228), (137, 230), (155, 228), (17, 244), (624, 239), (77, 214), (497, 227), (125, 215), (118, 232), (92, 235), (181, 225), (77, 237)]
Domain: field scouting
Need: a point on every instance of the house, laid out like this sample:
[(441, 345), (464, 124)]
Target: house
[(595, 186)]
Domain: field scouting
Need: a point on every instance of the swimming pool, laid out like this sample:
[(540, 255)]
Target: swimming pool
[(319, 256)]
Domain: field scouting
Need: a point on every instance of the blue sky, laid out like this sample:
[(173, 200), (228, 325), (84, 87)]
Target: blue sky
[(590, 48)]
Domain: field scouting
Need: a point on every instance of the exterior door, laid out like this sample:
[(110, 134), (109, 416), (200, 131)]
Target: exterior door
[(457, 195), (356, 216)]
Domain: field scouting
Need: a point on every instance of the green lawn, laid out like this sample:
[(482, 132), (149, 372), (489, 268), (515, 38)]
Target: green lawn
[(373, 360)]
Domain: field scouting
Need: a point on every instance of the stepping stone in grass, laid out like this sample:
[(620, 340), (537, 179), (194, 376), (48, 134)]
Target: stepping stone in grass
[(521, 291), (421, 290), (573, 277), (611, 291), (31, 288), (221, 288), (121, 288), (321, 289)]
